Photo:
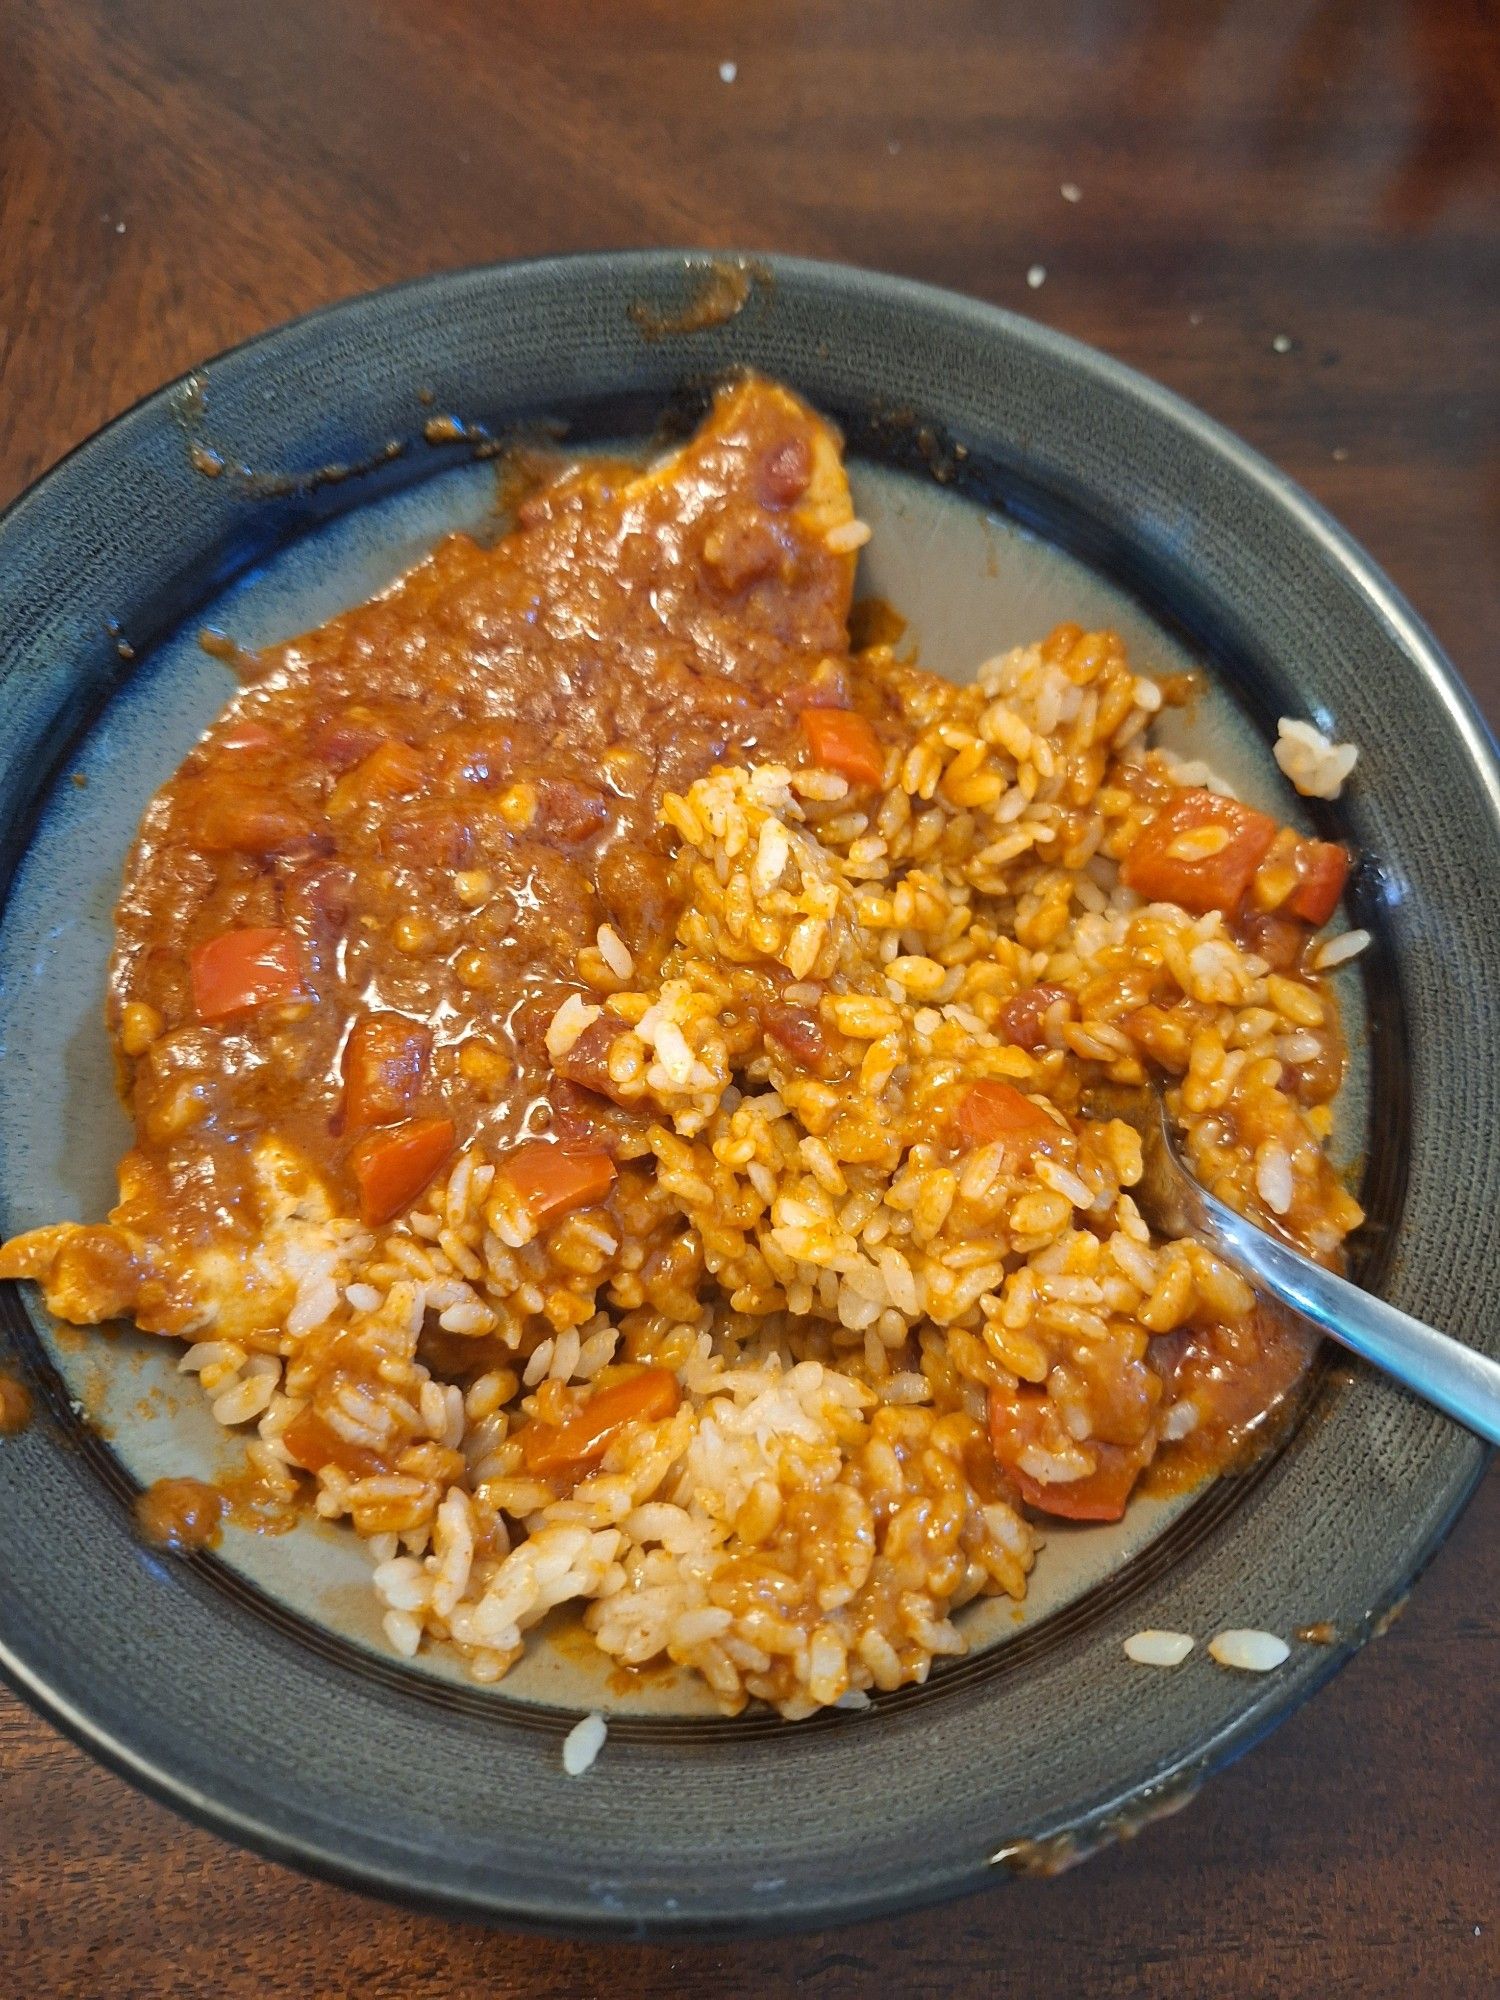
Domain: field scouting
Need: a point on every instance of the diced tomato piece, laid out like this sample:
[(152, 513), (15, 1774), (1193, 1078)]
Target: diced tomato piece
[(391, 1167), (1021, 1016), (393, 771), (242, 969), (1100, 1497), (1019, 1418), (553, 1451), (385, 1067), (994, 1111), (1171, 861), (844, 742), (551, 1180), (1322, 870)]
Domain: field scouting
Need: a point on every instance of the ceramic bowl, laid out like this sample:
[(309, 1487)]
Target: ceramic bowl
[(1012, 478)]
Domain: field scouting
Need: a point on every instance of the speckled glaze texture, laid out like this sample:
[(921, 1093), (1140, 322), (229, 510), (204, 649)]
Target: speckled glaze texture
[(251, 1717)]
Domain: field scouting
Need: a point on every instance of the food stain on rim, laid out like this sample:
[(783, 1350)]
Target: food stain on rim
[(719, 290), (188, 403), (1055, 1853)]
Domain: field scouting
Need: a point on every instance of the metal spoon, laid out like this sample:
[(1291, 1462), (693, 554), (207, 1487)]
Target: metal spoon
[(1462, 1383)]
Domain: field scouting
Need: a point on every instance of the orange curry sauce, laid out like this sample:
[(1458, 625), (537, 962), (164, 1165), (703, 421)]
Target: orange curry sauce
[(418, 814)]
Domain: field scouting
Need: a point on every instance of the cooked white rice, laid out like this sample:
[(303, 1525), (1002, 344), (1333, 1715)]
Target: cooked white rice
[(1318, 768)]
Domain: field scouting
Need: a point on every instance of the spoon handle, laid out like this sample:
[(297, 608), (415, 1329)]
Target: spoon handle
[(1459, 1380)]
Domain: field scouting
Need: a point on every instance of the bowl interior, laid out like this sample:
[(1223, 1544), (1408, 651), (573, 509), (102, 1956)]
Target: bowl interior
[(970, 582)]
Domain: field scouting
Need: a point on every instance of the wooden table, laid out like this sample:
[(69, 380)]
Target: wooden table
[(1289, 210)]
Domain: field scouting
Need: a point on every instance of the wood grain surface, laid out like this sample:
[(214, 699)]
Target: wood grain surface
[(1288, 210)]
